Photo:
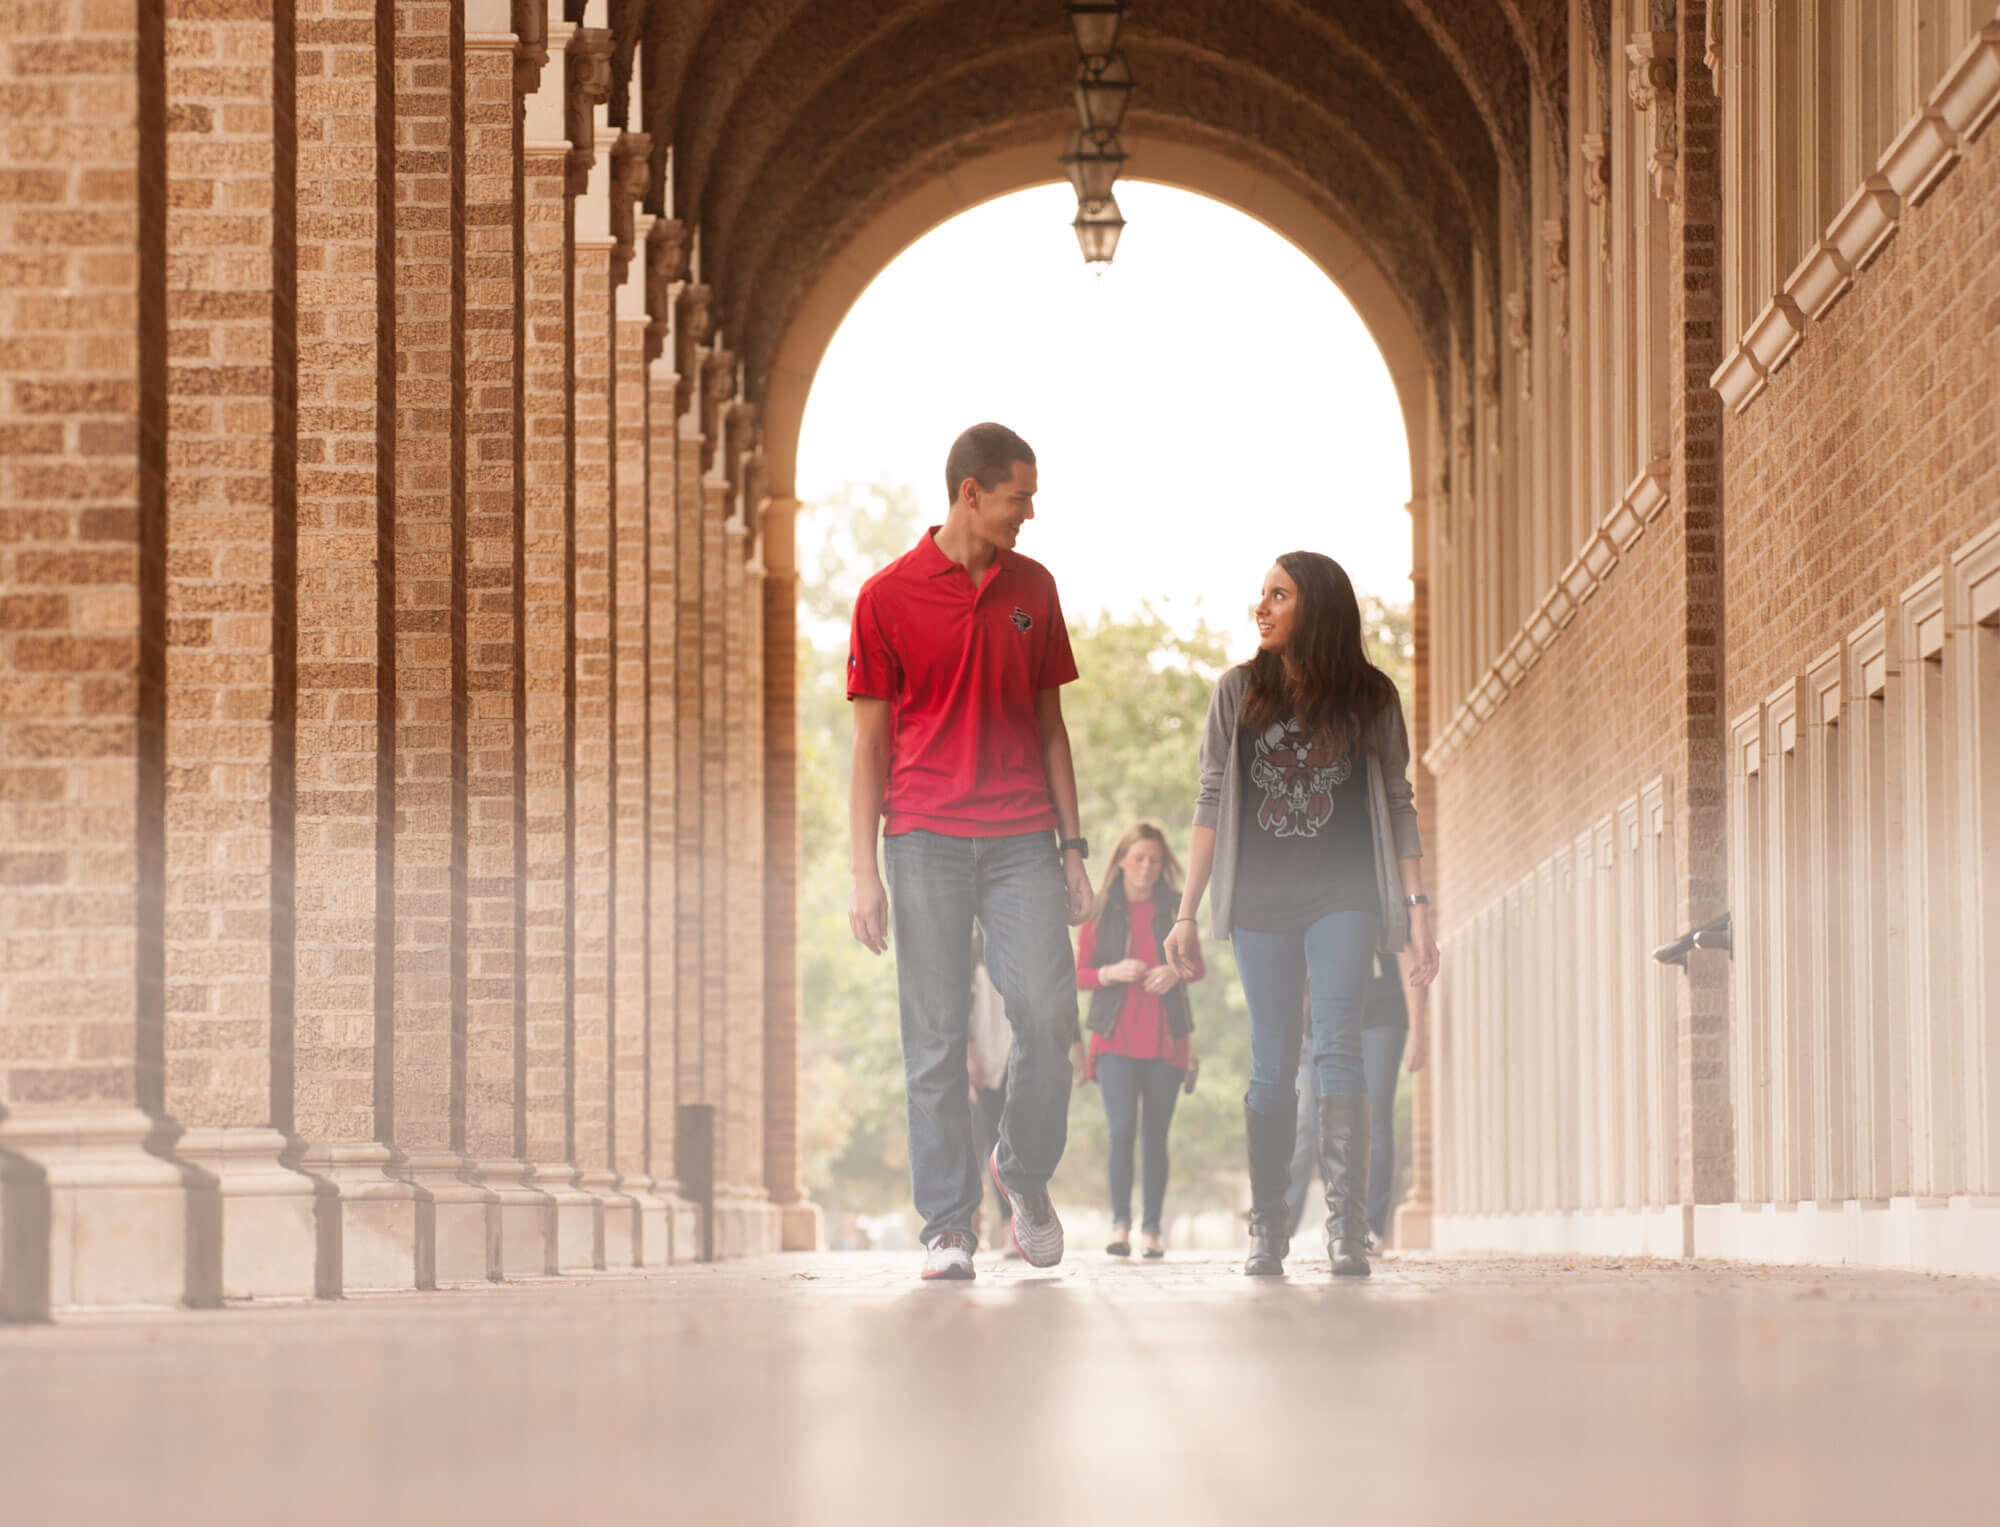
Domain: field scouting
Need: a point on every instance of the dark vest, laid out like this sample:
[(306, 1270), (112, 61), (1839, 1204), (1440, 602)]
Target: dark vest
[(1114, 934)]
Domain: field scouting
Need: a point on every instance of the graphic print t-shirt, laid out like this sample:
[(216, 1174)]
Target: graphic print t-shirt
[(1306, 850)]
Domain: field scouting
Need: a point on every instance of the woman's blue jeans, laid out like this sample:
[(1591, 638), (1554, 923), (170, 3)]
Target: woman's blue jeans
[(1127, 1084), (1338, 952)]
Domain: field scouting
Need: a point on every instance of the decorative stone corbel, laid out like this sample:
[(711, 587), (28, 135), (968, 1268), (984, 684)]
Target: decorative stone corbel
[(531, 44), (1555, 242), (586, 86), (666, 263), (1651, 83), (690, 334), (1711, 43), (1597, 189), (718, 386), (631, 179), (1520, 341)]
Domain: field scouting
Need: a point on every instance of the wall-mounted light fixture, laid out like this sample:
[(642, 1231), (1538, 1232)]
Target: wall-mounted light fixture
[(1713, 934)]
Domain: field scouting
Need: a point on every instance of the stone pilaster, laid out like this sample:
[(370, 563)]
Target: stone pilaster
[(1413, 1215), (344, 1028)]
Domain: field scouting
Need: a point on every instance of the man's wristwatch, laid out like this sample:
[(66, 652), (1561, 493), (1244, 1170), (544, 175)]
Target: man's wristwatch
[(1081, 845), (1421, 899)]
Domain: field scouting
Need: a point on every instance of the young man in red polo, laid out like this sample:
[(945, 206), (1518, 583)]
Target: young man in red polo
[(960, 755)]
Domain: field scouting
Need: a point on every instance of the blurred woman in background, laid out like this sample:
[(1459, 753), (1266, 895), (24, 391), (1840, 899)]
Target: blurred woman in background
[(1139, 1021)]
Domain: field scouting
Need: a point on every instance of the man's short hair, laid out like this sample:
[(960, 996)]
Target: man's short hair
[(986, 453)]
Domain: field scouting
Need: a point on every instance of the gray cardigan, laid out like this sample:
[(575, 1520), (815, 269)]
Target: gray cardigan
[(1392, 812)]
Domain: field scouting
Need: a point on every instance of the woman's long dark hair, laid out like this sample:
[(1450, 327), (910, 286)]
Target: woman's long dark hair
[(1324, 678)]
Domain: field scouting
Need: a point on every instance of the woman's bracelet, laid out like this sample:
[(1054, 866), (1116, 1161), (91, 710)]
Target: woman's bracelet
[(1179, 920)]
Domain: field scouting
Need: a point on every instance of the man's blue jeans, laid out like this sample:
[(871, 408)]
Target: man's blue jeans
[(1015, 887), (1339, 952)]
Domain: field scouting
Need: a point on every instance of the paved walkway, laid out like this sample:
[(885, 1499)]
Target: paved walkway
[(836, 1389)]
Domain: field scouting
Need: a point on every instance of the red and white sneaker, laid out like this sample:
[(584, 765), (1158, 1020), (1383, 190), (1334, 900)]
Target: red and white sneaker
[(950, 1257), (1034, 1229)]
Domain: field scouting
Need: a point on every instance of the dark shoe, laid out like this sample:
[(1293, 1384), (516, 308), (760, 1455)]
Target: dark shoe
[(1269, 1140), (1121, 1247), (1343, 1167)]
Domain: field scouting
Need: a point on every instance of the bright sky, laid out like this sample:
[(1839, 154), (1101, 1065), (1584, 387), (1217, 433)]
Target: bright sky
[(1210, 401)]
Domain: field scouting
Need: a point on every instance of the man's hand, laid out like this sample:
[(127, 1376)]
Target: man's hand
[(868, 913), (1423, 948), (1079, 1064), (1420, 1046), (1184, 948), (1162, 979), (1122, 971), (1080, 893)]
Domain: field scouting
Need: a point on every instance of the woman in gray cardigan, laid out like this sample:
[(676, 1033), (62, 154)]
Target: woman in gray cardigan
[(1305, 825)]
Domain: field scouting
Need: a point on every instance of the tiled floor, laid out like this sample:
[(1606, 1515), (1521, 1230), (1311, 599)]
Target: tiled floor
[(838, 1389)]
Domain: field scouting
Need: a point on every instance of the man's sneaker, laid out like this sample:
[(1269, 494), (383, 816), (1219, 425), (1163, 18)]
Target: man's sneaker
[(950, 1256), (1034, 1229)]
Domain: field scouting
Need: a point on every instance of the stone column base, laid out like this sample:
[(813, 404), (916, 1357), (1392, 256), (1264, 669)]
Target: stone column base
[(459, 1233), (747, 1223), (267, 1227), (369, 1231), (687, 1228), (97, 1217), (578, 1229), (799, 1226), (655, 1246), (524, 1216), (1410, 1230), (617, 1221)]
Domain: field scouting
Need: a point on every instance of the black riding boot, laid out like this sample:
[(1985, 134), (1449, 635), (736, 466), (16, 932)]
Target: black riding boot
[(1343, 1167), (1270, 1138)]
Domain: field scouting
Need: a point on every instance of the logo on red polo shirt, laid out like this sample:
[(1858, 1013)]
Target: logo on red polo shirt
[(1022, 620)]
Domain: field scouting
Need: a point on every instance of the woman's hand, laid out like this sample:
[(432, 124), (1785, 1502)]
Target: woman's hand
[(1184, 949), (1162, 979), (1124, 971), (1419, 1050), (1423, 948)]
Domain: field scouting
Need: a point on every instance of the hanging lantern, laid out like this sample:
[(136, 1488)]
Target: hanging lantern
[(1097, 230), (1102, 93), (1096, 26), (1092, 166)]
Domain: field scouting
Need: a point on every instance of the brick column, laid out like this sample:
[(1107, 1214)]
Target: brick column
[(496, 805), (1707, 1155), (590, 776), (799, 1225), (87, 1215), (430, 615), (1413, 1215), (630, 995), (663, 946), (232, 475), (545, 642), (344, 1032), (692, 865)]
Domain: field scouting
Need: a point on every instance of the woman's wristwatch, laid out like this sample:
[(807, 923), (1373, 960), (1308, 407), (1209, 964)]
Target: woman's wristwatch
[(1421, 899)]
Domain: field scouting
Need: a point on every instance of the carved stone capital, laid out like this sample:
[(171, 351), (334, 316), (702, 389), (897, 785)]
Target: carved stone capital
[(531, 44), (631, 178), (666, 242), (586, 86), (1651, 83), (690, 333), (1555, 245), (1596, 148), (1520, 341)]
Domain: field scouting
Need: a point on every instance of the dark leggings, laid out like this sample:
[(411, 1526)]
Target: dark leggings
[(1125, 1082)]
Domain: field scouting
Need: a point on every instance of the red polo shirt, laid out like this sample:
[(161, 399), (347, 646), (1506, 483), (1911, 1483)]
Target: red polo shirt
[(960, 668)]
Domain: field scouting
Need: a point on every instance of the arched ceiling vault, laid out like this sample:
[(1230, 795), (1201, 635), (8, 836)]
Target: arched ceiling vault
[(789, 120)]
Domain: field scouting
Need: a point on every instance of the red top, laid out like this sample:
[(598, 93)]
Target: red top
[(961, 668), (1141, 1030)]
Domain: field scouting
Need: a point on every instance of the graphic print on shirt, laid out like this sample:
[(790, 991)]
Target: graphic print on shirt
[(1298, 776)]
